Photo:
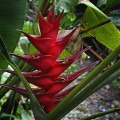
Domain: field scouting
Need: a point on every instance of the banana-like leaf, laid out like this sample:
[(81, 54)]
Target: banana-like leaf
[(66, 5), (12, 14), (105, 31)]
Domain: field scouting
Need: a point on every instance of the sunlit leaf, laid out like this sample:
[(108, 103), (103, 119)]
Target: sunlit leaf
[(105, 31)]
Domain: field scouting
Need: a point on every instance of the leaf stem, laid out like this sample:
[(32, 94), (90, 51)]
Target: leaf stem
[(35, 104), (37, 111), (101, 114), (101, 81), (12, 80), (94, 27), (43, 12)]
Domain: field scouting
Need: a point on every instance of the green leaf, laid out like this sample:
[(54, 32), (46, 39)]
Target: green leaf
[(111, 3), (6, 115), (64, 54), (27, 26), (24, 114), (12, 14), (32, 49), (10, 103), (89, 4), (101, 2), (66, 5), (106, 33), (3, 51)]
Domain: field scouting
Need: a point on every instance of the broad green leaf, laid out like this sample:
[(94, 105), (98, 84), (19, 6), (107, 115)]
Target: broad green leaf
[(66, 5), (89, 4), (3, 50), (12, 14), (105, 31)]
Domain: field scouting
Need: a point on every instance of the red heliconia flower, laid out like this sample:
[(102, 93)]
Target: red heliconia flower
[(47, 77)]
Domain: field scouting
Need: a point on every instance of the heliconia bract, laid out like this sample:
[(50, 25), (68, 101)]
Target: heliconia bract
[(49, 68)]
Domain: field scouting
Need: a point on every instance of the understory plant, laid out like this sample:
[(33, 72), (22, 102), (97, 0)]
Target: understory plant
[(48, 98)]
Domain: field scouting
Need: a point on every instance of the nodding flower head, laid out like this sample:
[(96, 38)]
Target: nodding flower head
[(48, 67)]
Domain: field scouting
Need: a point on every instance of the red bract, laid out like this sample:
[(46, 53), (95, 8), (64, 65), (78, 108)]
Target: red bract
[(47, 77)]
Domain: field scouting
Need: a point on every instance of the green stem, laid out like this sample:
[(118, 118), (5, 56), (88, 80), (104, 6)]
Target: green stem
[(43, 12), (53, 3), (12, 80), (41, 2), (84, 82), (94, 27), (101, 81), (4, 90), (11, 102), (18, 98), (20, 64), (38, 113), (101, 114)]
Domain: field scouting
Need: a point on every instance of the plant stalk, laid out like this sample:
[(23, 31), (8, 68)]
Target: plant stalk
[(101, 81), (101, 114), (35, 104), (41, 2)]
